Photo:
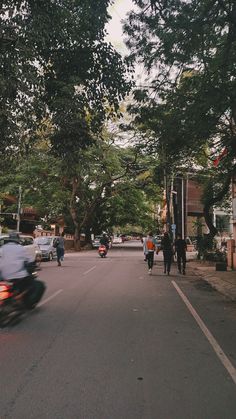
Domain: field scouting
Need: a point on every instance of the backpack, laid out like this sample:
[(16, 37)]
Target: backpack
[(150, 245), (55, 243)]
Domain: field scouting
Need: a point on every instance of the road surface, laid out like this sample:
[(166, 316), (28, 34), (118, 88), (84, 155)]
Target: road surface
[(111, 342)]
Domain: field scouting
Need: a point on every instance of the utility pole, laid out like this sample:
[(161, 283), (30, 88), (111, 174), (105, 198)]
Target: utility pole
[(166, 186), (233, 242), (0, 219), (19, 210), (182, 208)]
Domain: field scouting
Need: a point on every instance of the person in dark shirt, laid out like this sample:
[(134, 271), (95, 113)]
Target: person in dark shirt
[(105, 241), (180, 249), (60, 248), (166, 247)]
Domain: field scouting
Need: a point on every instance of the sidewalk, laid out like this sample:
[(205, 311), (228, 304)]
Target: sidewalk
[(224, 282)]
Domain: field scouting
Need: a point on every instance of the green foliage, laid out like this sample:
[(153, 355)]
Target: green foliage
[(110, 187), (54, 61), (189, 115), (42, 185), (60, 81), (192, 47)]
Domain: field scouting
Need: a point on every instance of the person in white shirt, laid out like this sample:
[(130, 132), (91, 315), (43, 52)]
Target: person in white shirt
[(13, 267), (13, 259)]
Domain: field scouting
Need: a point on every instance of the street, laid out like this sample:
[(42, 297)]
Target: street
[(108, 341)]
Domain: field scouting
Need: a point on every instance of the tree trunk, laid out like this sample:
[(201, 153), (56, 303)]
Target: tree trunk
[(212, 201), (73, 213), (208, 219)]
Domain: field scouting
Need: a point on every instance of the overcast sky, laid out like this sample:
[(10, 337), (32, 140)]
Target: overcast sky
[(118, 12)]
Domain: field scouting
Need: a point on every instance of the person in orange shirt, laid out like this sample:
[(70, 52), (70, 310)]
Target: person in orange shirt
[(149, 251)]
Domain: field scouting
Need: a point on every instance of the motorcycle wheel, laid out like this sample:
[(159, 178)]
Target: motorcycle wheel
[(10, 319), (35, 294)]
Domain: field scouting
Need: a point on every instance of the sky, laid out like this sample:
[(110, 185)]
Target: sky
[(118, 12)]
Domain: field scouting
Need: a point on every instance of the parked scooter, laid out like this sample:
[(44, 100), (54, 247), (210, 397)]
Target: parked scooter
[(14, 303), (102, 250)]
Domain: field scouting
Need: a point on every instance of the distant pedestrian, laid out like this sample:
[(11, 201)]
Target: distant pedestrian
[(167, 248), (149, 249), (59, 243), (143, 241), (180, 249)]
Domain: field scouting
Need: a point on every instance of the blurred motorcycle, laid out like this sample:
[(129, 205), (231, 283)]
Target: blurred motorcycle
[(16, 300), (102, 251)]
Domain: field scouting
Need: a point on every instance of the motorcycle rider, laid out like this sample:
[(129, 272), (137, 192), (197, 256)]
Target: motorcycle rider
[(105, 241), (13, 263)]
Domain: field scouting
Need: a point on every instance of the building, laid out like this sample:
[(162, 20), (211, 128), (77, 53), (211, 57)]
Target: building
[(186, 216)]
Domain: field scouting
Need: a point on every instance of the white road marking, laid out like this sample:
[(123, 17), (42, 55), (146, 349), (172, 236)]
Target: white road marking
[(49, 298), (91, 269), (218, 350)]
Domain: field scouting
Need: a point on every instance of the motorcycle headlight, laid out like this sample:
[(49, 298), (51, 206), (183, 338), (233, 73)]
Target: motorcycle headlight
[(5, 292)]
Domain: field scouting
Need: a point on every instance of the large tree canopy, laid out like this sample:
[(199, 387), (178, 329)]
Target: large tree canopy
[(54, 60), (189, 50), (190, 46)]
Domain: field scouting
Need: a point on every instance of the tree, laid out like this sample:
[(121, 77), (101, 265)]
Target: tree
[(102, 177), (108, 189), (42, 185), (54, 61), (190, 47), (61, 70)]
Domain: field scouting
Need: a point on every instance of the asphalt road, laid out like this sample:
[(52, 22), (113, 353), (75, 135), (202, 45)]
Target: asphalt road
[(110, 342)]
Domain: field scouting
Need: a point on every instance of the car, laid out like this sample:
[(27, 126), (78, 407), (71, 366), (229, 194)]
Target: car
[(32, 248), (96, 242), (117, 240), (45, 244)]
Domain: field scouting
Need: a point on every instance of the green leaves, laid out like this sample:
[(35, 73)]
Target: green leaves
[(54, 61), (190, 48)]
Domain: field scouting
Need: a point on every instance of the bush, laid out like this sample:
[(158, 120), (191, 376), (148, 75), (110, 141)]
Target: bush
[(205, 245)]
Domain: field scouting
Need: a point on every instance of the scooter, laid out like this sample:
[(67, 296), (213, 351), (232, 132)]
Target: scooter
[(102, 251), (15, 303)]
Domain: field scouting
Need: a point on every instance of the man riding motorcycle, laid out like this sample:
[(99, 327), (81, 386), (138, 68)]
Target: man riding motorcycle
[(15, 265), (105, 241)]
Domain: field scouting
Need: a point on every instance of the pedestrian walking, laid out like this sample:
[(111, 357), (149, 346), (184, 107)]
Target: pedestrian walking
[(180, 250), (59, 243), (143, 241), (149, 249), (167, 248)]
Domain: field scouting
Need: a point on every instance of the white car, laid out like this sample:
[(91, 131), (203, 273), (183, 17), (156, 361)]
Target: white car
[(116, 240), (32, 248), (45, 244), (96, 242)]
